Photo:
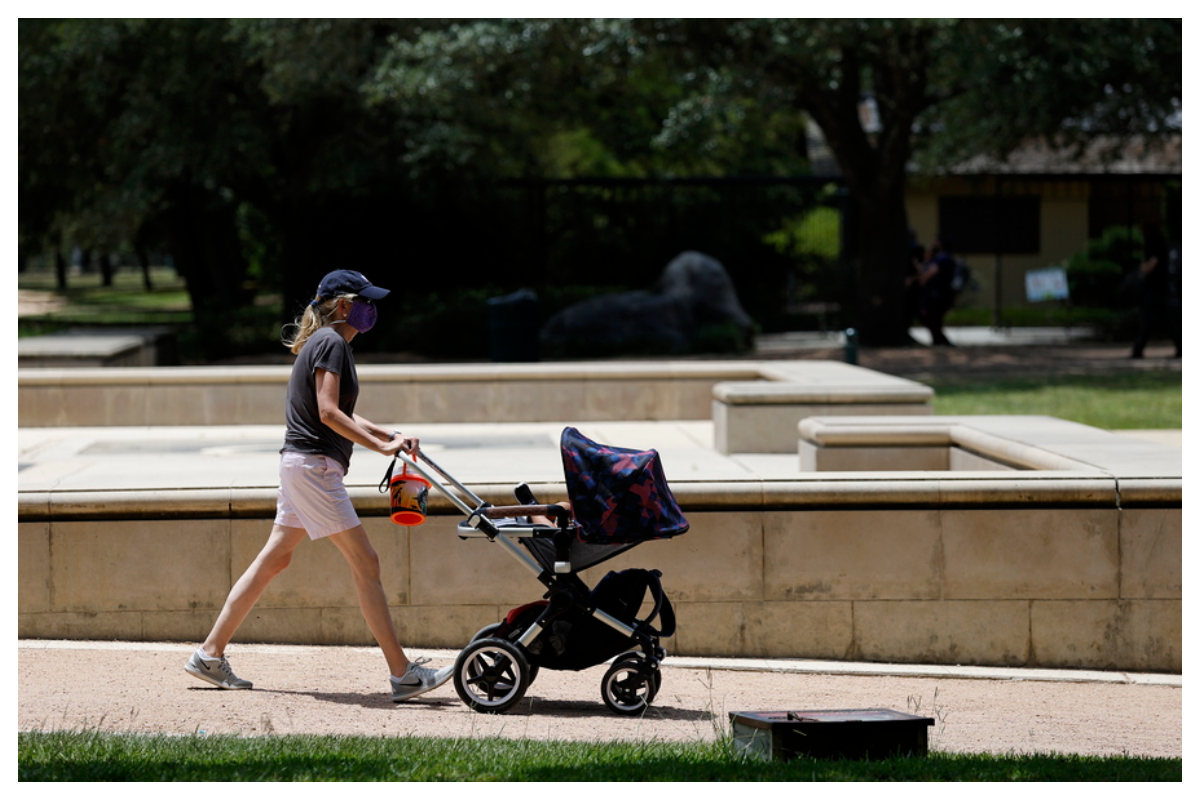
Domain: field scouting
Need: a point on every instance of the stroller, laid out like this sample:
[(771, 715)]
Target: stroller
[(619, 499)]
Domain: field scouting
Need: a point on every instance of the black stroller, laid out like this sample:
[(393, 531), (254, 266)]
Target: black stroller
[(619, 499)]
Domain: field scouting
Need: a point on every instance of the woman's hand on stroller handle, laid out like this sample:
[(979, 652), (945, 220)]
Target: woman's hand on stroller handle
[(399, 443)]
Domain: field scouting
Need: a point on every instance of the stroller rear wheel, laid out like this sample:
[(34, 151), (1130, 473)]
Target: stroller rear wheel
[(630, 685), (491, 675)]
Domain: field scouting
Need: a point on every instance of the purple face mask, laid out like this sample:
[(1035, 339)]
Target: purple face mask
[(362, 316)]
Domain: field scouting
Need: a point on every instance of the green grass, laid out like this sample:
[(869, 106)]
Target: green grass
[(126, 302), (1133, 400), (96, 756)]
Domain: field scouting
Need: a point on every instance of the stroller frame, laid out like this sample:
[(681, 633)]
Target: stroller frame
[(493, 671)]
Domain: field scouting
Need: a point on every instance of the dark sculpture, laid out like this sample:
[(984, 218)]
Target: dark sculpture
[(694, 308)]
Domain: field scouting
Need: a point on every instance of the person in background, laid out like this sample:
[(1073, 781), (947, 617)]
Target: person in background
[(1159, 284), (313, 503), (937, 293)]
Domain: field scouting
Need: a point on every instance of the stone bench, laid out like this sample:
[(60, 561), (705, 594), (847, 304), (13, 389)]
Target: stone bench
[(761, 416), (756, 408), (78, 348), (983, 443)]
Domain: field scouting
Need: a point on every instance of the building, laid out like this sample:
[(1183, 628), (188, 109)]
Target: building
[(1041, 205)]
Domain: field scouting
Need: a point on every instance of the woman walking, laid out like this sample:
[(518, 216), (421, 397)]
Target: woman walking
[(312, 502)]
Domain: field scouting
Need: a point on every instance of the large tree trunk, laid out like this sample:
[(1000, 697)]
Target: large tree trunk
[(144, 263), (106, 270), (878, 260), (873, 155), (202, 233), (60, 270)]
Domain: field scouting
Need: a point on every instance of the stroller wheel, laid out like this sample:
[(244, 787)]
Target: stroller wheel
[(491, 675), (629, 686), (488, 631)]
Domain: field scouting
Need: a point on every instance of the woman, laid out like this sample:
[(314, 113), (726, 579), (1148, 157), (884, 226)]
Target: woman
[(322, 430)]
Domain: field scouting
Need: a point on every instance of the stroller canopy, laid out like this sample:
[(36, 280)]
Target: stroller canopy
[(618, 495)]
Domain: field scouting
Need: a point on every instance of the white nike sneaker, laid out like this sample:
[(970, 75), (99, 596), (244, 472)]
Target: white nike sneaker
[(419, 679), (215, 670)]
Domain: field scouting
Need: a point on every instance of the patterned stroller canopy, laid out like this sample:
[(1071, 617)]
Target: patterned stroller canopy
[(618, 495)]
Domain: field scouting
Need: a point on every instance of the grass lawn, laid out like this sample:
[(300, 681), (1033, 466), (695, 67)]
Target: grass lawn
[(126, 302), (95, 756), (1124, 401)]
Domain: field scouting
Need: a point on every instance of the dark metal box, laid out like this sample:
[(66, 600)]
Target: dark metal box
[(859, 733)]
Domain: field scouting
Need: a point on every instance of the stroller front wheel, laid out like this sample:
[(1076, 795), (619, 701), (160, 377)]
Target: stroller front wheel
[(491, 675), (488, 631), (630, 685)]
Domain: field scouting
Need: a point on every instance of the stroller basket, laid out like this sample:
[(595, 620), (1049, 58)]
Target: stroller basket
[(618, 498)]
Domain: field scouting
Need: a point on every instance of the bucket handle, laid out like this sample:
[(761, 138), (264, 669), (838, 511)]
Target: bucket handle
[(385, 484)]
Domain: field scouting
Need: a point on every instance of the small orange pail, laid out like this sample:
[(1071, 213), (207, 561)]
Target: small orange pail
[(409, 497)]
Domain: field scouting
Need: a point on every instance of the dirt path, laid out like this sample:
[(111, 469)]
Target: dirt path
[(30, 303), (328, 690)]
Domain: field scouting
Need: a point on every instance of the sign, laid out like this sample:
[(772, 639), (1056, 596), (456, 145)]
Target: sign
[(1046, 284)]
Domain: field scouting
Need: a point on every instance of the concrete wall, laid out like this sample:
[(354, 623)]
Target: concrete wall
[(415, 393), (906, 570), (650, 390)]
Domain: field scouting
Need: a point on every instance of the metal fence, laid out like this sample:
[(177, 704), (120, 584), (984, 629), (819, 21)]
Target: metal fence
[(777, 237)]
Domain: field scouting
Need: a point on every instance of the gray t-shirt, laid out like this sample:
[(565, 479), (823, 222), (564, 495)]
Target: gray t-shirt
[(325, 349)]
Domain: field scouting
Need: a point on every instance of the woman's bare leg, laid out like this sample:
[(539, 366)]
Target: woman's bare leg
[(372, 600), (272, 559)]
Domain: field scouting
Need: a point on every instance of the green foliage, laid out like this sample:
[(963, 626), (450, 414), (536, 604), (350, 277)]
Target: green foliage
[(264, 152), (814, 234), (95, 756), (812, 242), (1004, 82), (447, 325), (1095, 276)]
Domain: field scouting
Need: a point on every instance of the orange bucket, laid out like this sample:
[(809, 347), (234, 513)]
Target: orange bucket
[(409, 497)]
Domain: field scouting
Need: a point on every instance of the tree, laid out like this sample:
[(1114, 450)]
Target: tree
[(261, 152), (886, 92), (668, 96), (196, 135), (125, 142)]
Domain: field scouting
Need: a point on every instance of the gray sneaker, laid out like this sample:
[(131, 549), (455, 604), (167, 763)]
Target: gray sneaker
[(216, 671), (419, 679)]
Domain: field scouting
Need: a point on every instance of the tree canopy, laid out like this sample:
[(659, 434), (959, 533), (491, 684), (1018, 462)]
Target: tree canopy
[(264, 152)]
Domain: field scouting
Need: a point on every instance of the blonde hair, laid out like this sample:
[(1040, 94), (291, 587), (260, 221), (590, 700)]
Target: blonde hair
[(316, 316)]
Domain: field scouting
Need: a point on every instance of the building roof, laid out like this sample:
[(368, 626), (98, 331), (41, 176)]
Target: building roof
[(1102, 156)]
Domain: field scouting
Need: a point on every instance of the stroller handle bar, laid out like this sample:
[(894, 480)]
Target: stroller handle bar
[(462, 506), (478, 512)]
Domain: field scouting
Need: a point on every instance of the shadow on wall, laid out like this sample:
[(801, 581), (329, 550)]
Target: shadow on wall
[(693, 309)]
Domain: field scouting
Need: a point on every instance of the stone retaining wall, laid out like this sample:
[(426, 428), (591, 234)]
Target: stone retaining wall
[(419, 393), (1055, 570)]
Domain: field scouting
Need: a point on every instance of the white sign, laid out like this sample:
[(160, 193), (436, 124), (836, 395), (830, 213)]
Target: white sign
[(1046, 284)]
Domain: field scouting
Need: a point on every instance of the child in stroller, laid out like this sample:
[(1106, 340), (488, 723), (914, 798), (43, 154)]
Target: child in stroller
[(619, 498)]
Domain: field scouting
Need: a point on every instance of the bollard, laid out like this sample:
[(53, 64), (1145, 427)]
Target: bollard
[(851, 346)]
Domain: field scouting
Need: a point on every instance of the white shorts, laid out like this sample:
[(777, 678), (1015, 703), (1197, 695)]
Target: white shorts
[(312, 495)]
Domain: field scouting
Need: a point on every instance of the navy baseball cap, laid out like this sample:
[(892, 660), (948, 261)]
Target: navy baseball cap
[(347, 281)]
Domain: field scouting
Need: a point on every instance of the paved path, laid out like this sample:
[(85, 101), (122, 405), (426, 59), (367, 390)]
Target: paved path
[(339, 690), (1016, 352)]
